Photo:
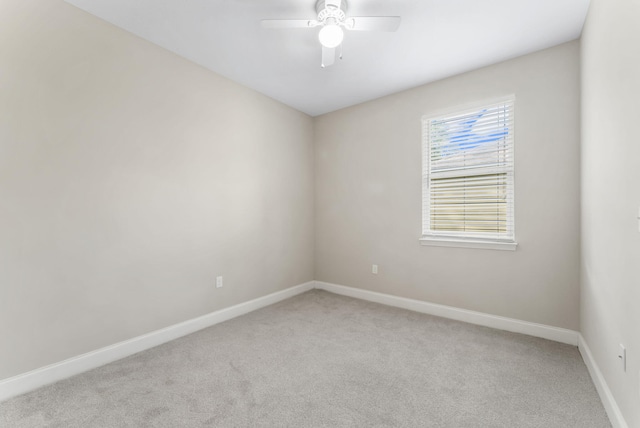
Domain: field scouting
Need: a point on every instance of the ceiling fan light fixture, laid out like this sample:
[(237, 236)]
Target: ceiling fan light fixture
[(333, 20), (331, 35)]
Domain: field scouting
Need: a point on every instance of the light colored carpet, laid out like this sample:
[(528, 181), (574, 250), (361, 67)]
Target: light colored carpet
[(320, 359)]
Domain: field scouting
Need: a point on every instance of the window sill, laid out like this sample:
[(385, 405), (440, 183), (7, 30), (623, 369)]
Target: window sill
[(468, 243)]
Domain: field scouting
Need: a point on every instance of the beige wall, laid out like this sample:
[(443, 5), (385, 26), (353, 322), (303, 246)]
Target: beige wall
[(129, 179), (610, 297), (368, 208)]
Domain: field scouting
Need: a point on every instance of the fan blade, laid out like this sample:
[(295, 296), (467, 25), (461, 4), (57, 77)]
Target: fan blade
[(373, 23), (289, 23), (328, 56)]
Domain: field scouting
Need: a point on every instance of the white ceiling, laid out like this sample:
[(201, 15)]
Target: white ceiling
[(436, 39)]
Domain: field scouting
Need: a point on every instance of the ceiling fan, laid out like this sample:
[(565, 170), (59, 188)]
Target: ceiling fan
[(332, 17)]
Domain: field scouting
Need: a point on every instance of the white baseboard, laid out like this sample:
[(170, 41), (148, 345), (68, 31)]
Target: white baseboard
[(29, 381), (610, 405), (556, 334)]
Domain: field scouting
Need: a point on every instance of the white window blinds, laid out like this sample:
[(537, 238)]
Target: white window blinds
[(468, 166)]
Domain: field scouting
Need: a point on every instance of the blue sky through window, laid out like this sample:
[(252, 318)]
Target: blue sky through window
[(468, 134)]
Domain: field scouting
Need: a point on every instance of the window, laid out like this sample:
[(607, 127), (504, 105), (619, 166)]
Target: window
[(467, 178)]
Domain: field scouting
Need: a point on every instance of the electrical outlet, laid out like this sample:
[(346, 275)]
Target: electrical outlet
[(622, 354), (218, 282), (374, 269)]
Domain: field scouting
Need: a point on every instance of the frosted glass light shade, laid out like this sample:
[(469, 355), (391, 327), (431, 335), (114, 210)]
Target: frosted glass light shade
[(331, 35)]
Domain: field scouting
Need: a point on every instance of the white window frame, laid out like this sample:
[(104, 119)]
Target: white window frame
[(429, 237)]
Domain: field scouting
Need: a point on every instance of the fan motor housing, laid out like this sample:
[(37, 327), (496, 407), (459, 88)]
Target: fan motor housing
[(331, 9)]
